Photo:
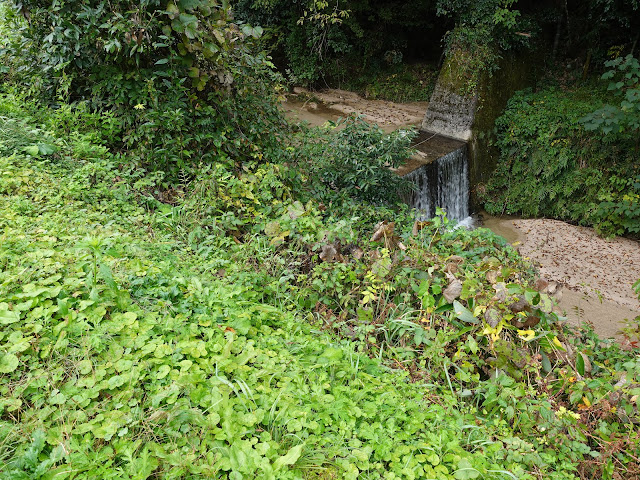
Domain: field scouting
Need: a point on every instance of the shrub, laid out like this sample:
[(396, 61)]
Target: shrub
[(355, 161), (185, 80), (550, 166)]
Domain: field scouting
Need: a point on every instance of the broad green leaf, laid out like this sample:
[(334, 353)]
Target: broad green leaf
[(7, 316), (331, 355), (32, 150), (289, 458), (163, 371), (580, 364), (46, 149), (85, 366), (466, 471), (546, 364), (463, 313), (8, 363)]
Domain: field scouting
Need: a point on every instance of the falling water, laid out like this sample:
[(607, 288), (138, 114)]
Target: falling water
[(443, 183)]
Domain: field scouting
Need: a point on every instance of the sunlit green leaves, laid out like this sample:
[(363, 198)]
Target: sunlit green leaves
[(7, 316), (8, 363)]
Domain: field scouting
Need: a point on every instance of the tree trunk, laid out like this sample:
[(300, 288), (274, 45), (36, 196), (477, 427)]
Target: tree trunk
[(585, 68)]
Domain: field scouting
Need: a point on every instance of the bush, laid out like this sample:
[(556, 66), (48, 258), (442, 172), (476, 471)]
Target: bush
[(355, 161), (186, 82), (550, 166)]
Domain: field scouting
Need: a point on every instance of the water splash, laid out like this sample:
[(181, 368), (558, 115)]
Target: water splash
[(443, 183)]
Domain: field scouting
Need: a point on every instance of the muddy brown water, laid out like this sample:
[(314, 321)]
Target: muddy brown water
[(607, 317), (313, 113)]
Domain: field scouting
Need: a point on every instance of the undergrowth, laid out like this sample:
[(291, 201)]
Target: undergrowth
[(397, 83), (227, 329), (551, 166)]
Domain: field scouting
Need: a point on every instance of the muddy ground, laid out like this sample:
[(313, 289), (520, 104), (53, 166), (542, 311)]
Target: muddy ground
[(319, 106)]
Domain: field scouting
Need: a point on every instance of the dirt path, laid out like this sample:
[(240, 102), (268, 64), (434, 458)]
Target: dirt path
[(324, 105)]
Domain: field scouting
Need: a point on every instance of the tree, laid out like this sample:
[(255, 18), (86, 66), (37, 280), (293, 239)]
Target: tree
[(184, 78)]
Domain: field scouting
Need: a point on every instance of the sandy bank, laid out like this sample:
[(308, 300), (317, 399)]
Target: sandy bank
[(597, 274)]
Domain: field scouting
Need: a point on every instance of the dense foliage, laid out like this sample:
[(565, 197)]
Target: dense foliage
[(243, 334), (550, 166), (337, 40), (191, 288), (623, 119), (356, 161), (183, 81)]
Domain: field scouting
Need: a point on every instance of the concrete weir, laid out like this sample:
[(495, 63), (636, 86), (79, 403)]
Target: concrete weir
[(460, 119), (439, 169)]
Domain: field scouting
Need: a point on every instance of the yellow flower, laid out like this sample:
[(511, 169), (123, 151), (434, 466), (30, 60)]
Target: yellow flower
[(139, 106)]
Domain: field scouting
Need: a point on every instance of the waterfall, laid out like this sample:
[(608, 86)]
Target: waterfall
[(442, 183)]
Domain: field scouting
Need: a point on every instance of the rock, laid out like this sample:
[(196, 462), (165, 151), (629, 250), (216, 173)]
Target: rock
[(300, 90), (453, 291)]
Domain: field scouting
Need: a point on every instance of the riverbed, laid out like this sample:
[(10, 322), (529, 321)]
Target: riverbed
[(595, 275), (318, 107)]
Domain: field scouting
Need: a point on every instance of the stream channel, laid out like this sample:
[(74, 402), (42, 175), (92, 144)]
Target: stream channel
[(595, 275)]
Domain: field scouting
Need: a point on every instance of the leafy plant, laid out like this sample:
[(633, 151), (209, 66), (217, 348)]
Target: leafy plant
[(625, 118), (237, 329), (550, 166), (356, 160), (180, 80)]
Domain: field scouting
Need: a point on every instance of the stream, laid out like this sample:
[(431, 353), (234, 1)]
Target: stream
[(595, 274)]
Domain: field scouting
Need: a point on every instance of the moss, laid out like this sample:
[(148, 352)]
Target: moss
[(494, 91), (459, 73)]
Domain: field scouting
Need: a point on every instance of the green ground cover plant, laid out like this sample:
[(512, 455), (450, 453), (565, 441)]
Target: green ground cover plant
[(396, 83), (551, 166), (238, 331)]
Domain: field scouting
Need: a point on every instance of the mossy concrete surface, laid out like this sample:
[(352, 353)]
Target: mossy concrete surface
[(465, 105)]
